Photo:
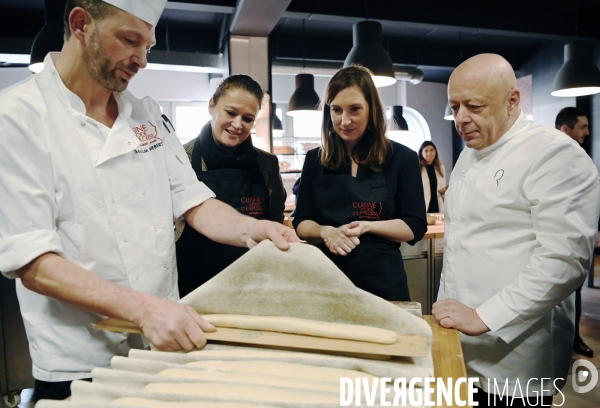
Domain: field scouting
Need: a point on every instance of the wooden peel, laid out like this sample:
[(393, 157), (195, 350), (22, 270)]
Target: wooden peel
[(405, 346)]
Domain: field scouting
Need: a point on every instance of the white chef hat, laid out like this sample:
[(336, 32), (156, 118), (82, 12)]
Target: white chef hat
[(147, 10)]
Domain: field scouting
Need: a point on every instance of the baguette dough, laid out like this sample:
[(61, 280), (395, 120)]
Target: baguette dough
[(243, 392), (151, 403), (251, 378), (304, 326), (279, 368)]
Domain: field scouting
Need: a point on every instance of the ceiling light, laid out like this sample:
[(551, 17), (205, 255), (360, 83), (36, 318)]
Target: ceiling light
[(277, 125), (7, 59), (579, 75), (183, 68), (368, 52), (304, 99), (397, 120), (51, 36), (448, 113)]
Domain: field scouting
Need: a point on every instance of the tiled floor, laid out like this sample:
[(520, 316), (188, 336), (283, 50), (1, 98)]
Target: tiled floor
[(590, 332)]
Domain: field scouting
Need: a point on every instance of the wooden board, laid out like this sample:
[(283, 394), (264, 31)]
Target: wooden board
[(405, 346)]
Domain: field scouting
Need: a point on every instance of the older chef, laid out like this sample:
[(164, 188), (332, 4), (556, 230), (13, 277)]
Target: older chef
[(520, 216), (93, 179)]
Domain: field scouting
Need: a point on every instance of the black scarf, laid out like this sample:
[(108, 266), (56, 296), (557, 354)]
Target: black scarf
[(216, 157)]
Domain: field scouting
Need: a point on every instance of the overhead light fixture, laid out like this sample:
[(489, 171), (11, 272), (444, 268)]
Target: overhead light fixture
[(448, 113), (368, 52), (51, 36), (304, 99), (398, 119), (183, 68), (9, 59), (579, 75), (277, 125)]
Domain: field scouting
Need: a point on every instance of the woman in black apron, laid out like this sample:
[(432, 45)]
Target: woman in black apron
[(361, 194), (240, 175)]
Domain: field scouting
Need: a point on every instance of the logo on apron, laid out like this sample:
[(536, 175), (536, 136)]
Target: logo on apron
[(251, 205), (148, 136), (366, 210)]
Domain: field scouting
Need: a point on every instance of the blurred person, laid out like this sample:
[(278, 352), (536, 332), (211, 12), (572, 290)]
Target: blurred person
[(433, 175), (518, 238), (240, 175), (360, 194)]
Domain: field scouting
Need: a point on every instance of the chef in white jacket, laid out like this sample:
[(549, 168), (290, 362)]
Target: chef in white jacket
[(92, 180), (519, 233)]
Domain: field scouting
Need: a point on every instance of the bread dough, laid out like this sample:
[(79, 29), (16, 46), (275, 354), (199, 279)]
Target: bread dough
[(304, 326), (243, 392), (251, 378), (279, 368), (152, 403)]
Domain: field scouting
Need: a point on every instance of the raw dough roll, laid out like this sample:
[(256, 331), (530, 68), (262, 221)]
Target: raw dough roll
[(303, 326)]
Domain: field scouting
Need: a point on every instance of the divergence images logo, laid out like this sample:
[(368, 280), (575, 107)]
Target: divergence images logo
[(582, 376)]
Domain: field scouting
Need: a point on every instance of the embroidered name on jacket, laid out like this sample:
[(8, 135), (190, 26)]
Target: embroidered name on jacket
[(367, 210), (148, 137), (252, 205)]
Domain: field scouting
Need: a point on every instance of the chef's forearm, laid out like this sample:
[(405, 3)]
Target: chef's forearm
[(53, 276), (220, 222)]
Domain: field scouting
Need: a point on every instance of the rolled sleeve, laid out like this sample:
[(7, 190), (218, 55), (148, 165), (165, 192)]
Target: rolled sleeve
[(28, 210), (186, 191), (565, 202)]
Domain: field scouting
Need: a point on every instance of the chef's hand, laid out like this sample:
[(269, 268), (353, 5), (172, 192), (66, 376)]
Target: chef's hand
[(355, 228), (337, 242), (452, 314), (172, 326), (278, 233)]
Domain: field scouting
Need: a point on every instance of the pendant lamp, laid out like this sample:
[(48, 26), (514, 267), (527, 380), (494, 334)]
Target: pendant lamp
[(51, 37), (398, 118), (277, 125), (448, 113), (368, 52), (304, 99), (579, 75)]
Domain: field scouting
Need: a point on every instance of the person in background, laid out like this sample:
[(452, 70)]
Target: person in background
[(93, 179), (360, 194), (240, 175), (574, 123), (518, 238), (433, 175)]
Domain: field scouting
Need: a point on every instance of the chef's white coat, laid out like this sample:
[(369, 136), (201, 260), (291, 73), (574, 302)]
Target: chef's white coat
[(103, 198), (521, 218)]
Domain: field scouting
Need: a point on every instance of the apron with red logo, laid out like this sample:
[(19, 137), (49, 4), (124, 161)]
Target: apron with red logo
[(375, 265)]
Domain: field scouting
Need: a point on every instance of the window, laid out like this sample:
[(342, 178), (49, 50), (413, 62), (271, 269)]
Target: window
[(188, 117)]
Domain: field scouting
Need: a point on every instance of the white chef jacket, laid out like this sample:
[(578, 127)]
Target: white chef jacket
[(441, 183), (520, 224), (103, 198)]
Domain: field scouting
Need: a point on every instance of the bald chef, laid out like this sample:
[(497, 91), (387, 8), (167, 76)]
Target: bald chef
[(93, 179)]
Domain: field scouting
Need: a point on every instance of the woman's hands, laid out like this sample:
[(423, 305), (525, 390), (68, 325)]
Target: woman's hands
[(342, 240)]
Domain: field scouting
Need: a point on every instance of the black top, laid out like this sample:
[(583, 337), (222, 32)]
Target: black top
[(433, 202), (402, 175)]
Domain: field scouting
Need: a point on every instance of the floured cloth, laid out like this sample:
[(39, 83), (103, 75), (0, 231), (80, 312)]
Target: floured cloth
[(300, 282)]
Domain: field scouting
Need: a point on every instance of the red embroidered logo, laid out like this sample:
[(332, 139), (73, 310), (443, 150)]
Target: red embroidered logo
[(367, 210), (252, 205), (146, 135)]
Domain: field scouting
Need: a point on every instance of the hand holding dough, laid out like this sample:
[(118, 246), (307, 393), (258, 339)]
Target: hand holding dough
[(303, 326)]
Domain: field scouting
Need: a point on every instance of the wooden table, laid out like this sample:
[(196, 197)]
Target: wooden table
[(448, 361)]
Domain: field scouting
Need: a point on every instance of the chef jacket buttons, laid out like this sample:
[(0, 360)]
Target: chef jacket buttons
[(165, 265), (143, 193), (137, 277), (155, 229), (113, 200), (129, 142), (82, 124), (125, 240)]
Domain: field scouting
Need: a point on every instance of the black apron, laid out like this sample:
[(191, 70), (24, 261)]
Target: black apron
[(375, 265), (200, 259)]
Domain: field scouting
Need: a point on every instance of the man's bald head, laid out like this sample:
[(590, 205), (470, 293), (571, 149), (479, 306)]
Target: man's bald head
[(483, 95)]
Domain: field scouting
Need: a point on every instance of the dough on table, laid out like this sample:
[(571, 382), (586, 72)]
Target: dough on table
[(151, 403), (278, 368), (243, 392), (307, 327), (241, 377)]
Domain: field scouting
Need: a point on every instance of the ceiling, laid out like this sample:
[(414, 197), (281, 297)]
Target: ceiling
[(433, 35)]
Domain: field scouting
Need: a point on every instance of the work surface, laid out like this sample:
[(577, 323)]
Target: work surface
[(448, 361)]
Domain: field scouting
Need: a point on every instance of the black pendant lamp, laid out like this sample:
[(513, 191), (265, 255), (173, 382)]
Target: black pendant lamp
[(304, 98), (368, 52), (51, 37), (398, 118), (448, 113), (277, 125), (579, 75)]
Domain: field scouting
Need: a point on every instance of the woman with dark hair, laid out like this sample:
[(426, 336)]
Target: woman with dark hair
[(433, 175), (241, 175), (360, 194)]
